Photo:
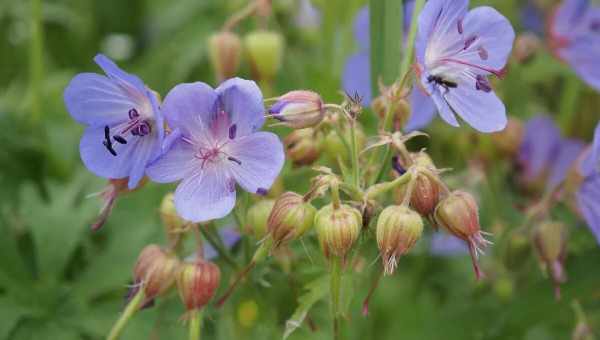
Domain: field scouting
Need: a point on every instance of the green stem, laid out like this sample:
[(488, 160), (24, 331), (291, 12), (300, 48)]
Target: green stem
[(354, 155), (382, 188), (129, 311), (335, 287), (36, 60), (219, 247), (568, 103), (335, 194), (408, 56), (195, 325)]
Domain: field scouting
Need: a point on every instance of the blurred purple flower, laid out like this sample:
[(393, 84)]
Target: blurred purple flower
[(229, 236), (443, 244), (308, 16), (588, 194), (124, 124), (214, 145), (456, 51), (356, 77), (540, 146), (575, 38), (532, 18), (568, 152)]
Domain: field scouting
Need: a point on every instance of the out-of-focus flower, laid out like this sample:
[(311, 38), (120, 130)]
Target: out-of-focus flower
[(303, 146), (456, 51), (540, 146), (225, 51), (265, 51), (526, 46), (568, 151), (299, 109), (532, 18), (550, 241), (307, 16), (443, 244), (230, 238), (574, 35), (214, 145), (124, 123), (356, 77), (509, 140), (588, 192)]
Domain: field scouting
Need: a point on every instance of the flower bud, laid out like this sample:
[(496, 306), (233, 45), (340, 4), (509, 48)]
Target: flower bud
[(337, 229), (290, 217), (265, 50), (155, 270), (508, 141), (256, 218), (550, 242), (303, 146), (172, 223), (197, 283), (459, 214), (398, 229), (225, 50), (334, 146), (299, 109), (526, 46), (425, 194)]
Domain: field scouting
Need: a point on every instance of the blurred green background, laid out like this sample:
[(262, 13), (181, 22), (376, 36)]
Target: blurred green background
[(60, 281)]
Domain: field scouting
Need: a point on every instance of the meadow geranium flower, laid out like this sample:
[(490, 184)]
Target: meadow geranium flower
[(541, 143), (568, 151), (214, 145), (356, 77), (588, 192), (124, 124), (456, 51), (575, 38)]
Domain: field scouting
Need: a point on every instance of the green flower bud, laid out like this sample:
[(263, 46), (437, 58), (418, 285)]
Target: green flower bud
[(225, 50), (337, 229), (425, 194), (398, 229), (257, 217), (550, 243), (298, 109), (265, 50), (173, 224), (155, 270), (303, 146), (334, 146), (290, 217), (197, 283)]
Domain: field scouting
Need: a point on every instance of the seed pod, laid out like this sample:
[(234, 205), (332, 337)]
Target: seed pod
[(225, 51), (303, 146), (425, 194), (398, 229), (508, 141), (257, 217), (459, 214), (337, 229), (290, 217), (265, 50), (299, 109), (197, 283), (173, 224), (550, 243), (155, 270)]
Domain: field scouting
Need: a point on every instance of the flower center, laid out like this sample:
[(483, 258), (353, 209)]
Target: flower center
[(215, 152), (136, 125)]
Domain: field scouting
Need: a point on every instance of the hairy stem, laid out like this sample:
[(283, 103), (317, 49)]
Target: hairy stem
[(215, 242), (335, 287), (195, 325), (132, 307)]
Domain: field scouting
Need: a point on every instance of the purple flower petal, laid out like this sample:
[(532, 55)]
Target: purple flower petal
[(362, 28), (243, 102), (444, 109), (533, 18), (588, 200), (540, 144), (128, 81), (596, 147), (207, 194), (568, 152), (177, 163), (583, 56), (260, 158), (447, 245), (422, 110), (356, 77)]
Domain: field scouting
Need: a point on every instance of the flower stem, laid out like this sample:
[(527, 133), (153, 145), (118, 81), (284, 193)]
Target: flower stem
[(215, 242), (36, 59), (354, 154), (195, 325), (408, 56), (335, 194), (335, 287), (568, 103), (131, 308)]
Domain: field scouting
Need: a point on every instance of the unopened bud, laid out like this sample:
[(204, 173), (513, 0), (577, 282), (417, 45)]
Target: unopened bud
[(334, 146), (299, 109), (526, 46), (459, 214), (337, 229), (225, 50), (508, 141), (398, 229), (425, 194), (290, 217), (303, 146), (172, 223), (155, 270), (550, 241), (265, 50), (257, 217), (197, 283)]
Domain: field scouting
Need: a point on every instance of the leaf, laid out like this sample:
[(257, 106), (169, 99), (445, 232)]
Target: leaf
[(315, 291), (386, 18), (10, 314)]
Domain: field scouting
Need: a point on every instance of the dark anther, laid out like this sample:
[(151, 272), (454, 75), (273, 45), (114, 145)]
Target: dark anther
[(595, 26), (235, 160), (469, 42), (109, 147), (459, 25), (120, 139), (397, 167), (232, 131), (107, 133), (261, 191), (133, 114), (482, 84)]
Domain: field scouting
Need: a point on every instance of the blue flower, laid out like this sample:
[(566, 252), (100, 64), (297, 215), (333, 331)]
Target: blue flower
[(588, 193), (356, 77), (124, 124), (456, 51), (575, 38), (214, 145)]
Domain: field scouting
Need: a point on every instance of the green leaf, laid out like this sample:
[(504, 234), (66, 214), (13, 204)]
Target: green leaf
[(315, 291), (10, 314), (386, 24)]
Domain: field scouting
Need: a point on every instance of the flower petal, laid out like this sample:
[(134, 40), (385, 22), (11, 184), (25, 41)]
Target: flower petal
[(260, 157), (189, 108), (96, 100), (540, 144), (588, 200), (362, 28), (147, 147), (568, 152), (207, 194), (443, 108), (242, 101), (356, 77), (596, 147), (583, 55), (422, 110), (175, 164), (128, 81)]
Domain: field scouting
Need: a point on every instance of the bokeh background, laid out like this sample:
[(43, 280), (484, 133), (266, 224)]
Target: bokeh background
[(60, 281)]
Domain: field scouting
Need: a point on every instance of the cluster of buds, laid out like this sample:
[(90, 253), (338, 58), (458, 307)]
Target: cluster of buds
[(550, 243), (398, 229)]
